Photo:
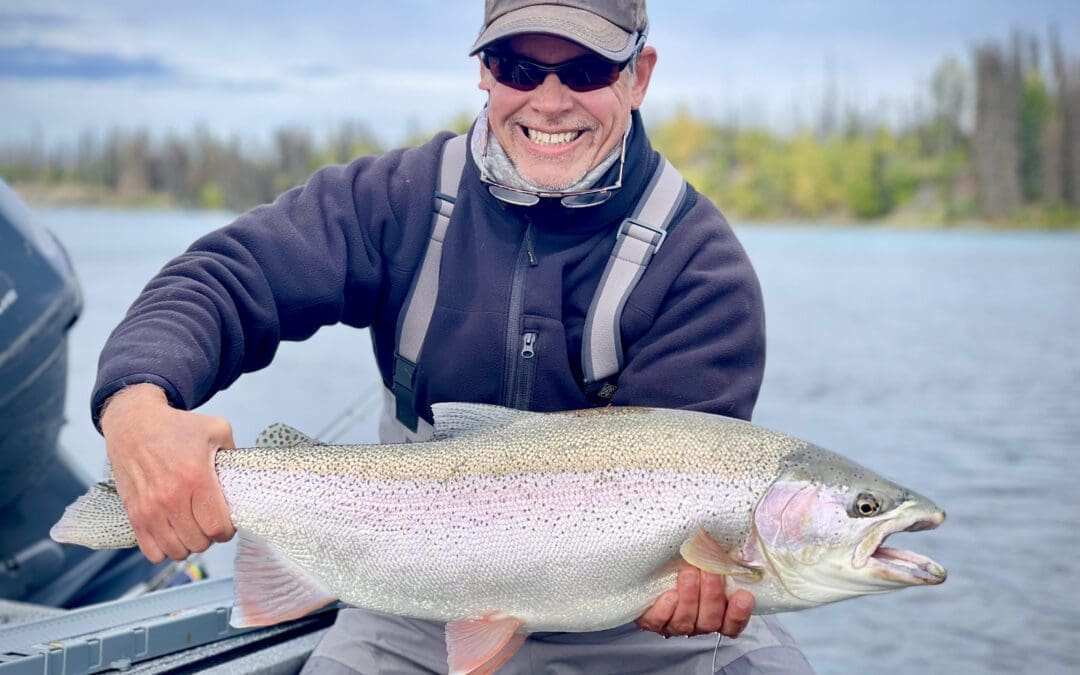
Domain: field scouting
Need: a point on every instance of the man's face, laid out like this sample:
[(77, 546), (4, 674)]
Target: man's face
[(553, 134)]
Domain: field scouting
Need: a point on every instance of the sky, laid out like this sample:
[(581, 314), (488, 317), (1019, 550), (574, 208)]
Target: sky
[(248, 67)]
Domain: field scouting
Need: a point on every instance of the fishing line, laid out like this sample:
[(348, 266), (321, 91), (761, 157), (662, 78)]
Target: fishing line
[(360, 410)]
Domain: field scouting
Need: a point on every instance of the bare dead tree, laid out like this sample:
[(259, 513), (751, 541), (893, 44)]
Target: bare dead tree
[(133, 181), (995, 145), (1070, 106), (294, 147)]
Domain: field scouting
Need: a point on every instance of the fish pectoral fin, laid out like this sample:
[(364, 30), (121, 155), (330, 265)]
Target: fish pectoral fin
[(481, 646), (270, 588), (280, 435), (705, 553)]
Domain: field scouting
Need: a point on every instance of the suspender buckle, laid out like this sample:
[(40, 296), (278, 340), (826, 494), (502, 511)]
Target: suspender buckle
[(600, 392), (404, 392), (653, 236)]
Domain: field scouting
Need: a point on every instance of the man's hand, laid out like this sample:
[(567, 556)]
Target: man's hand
[(163, 463), (698, 606)]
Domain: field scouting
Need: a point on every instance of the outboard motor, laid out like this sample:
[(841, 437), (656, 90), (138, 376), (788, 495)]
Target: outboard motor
[(40, 300)]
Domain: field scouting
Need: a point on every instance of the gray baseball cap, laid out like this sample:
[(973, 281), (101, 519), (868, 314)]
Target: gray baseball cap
[(611, 28)]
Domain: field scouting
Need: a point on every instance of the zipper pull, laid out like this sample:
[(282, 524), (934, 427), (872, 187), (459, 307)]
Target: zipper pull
[(528, 345)]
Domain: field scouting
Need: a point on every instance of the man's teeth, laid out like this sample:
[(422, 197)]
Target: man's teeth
[(542, 138)]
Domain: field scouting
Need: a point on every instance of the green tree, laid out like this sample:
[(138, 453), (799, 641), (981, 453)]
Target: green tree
[(813, 189), (1036, 109), (866, 188)]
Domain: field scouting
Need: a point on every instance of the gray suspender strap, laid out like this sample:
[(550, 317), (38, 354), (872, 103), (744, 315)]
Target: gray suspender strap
[(639, 238), (420, 303)]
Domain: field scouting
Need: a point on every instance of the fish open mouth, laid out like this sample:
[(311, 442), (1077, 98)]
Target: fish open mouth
[(899, 565)]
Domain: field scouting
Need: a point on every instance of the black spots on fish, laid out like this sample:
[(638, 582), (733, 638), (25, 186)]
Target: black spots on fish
[(280, 435), (865, 505)]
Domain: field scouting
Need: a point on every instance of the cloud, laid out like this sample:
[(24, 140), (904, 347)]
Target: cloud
[(316, 70), (35, 20), (36, 62)]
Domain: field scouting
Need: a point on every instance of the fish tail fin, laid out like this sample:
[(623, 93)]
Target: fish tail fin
[(96, 520)]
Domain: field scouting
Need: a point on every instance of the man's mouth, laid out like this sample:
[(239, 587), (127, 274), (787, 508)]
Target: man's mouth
[(545, 138)]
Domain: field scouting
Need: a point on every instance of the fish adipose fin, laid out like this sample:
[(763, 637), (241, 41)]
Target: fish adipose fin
[(283, 436), (705, 553), (462, 419), (481, 646), (97, 519), (270, 588)]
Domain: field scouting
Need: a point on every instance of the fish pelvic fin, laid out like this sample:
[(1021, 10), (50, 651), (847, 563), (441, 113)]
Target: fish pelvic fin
[(269, 588), (462, 419), (283, 436), (705, 553), (482, 646), (97, 519)]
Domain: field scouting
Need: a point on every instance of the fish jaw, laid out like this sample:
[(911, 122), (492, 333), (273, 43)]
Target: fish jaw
[(901, 567)]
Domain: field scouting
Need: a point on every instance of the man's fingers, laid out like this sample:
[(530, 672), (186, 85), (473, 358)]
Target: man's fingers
[(188, 533), (713, 604), (656, 617), (166, 540), (153, 532), (688, 587), (221, 434), (697, 606), (212, 514), (208, 502), (739, 608), (148, 546)]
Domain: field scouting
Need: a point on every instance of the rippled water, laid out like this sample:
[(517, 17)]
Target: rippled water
[(946, 360)]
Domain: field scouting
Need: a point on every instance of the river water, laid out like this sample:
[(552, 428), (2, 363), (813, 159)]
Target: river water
[(948, 361)]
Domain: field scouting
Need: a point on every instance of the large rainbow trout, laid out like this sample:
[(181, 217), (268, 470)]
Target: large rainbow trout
[(511, 522)]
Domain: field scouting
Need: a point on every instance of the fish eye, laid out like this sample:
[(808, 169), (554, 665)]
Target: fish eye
[(865, 505)]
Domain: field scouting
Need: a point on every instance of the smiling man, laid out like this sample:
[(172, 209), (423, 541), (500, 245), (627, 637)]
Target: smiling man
[(565, 265)]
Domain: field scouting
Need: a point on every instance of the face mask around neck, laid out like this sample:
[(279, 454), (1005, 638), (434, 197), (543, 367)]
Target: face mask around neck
[(507, 184)]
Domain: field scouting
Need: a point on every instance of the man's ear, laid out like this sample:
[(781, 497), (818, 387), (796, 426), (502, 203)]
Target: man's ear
[(642, 74), (485, 76)]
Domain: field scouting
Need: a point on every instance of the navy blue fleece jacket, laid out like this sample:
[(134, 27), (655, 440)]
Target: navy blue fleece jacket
[(345, 246)]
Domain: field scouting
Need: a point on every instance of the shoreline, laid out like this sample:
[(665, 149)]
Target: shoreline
[(78, 195)]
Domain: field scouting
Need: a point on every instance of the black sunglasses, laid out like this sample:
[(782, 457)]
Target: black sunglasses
[(585, 73)]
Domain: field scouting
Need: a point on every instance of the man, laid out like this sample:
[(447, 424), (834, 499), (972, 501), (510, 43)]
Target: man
[(555, 163)]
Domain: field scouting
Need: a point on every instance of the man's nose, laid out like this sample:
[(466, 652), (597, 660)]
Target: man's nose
[(552, 95)]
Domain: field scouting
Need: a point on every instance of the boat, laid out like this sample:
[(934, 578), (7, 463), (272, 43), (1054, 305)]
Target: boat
[(66, 609)]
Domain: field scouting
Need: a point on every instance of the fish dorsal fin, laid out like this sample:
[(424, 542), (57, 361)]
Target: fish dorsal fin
[(705, 553), (480, 646), (283, 436), (269, 587), (461, 419)]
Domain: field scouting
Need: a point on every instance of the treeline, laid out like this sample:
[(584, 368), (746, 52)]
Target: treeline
[(996, 141), (200, 170)]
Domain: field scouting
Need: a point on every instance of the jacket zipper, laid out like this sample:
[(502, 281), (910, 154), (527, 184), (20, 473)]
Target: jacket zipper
[(526, 371), (513, 319)]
